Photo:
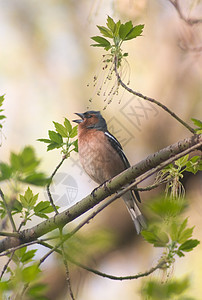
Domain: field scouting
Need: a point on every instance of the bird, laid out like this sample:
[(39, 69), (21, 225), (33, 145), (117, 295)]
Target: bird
[(102, 157)]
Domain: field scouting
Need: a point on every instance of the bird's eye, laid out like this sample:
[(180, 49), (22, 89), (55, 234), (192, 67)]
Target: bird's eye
[(89, 116)]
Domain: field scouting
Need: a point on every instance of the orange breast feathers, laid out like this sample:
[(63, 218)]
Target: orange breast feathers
[(97, 156)]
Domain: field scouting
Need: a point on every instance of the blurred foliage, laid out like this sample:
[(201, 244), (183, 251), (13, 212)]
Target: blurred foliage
[(22, 168), (168, 229), (1, 110), (197, 123), (174, 289), (23, 276), (82, 246)]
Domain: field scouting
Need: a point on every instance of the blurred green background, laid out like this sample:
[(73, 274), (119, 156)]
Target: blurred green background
[(46, 71)]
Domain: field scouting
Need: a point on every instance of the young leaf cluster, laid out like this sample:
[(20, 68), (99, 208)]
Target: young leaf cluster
[(23, 167), (173, 289), (24, 273), (62, 138), (1, 110), (114, 34), (168, 230), (27, 206), (174, 172), (197, 123)]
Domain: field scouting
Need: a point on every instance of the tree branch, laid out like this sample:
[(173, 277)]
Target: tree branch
[(103, 191)]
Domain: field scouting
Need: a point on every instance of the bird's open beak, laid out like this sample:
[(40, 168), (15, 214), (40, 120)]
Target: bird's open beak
[(80, 120)]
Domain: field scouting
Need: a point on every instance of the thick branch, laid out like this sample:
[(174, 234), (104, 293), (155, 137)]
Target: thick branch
[(101, 193)]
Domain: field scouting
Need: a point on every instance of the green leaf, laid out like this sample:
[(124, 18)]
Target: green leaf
[(185, 235), (197, 122), (55, 137), (105, 31), (180, 253), (29, 199), (189, 245), (75, 143), (27, 256), (30, 273), (44, 140), (62, 130), (15, 161), (4, 286), (179, 233), (102, 42), (135, 31), (25, 161), (5, 171), (2, 99), (149, 236), (36, 291), (73, 132), (52, 146), (171, 289), (194, 165), (99, 45), (181, 162), (17, 207), (111, 24), (117, 27), (38, 179), (43, 208), (2, 117), (67, 125), (125, 29), (167, 207), (28, 159)]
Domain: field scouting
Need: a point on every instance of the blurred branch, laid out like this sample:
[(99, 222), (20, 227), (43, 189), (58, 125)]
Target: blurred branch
[(189, 21), (8, 211), (66, 267), (160, 265), (7, 264), (108, 188), (148, 98)]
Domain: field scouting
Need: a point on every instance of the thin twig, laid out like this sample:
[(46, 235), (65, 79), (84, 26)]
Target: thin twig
[(66, 268), (6, 265), (149, 99), (48, 185), (8, 211), (160, 265), (189, 21)]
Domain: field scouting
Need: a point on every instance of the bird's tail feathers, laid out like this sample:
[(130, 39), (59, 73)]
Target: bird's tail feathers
[(136, 215)]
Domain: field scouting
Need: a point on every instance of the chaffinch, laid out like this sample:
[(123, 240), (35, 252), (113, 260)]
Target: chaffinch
[(102, 158)]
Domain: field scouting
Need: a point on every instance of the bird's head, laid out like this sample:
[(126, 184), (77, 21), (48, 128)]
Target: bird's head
[(91, 120)]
